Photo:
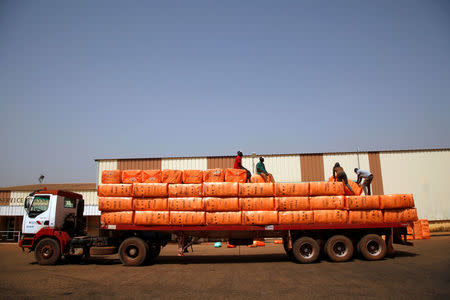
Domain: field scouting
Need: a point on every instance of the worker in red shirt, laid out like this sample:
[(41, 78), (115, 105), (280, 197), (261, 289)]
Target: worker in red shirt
[(238, 165)]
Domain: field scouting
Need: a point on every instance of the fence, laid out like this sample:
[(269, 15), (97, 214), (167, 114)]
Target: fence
[(9, 236)]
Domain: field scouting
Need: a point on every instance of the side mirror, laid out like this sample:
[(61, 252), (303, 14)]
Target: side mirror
[(27, 203)]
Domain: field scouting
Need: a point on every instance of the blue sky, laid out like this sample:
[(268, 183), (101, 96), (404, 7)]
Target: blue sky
[(93, 79)]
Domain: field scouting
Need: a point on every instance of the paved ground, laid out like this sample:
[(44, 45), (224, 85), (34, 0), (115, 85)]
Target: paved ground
[(416, 272)]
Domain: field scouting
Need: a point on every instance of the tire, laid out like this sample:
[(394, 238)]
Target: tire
[(372, 247), (305, 250), (47, 252), (339, 248), (133, 251), (103, 250)]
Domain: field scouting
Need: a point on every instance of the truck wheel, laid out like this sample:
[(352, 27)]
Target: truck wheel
[(133, 251), (339, 248), (372, 247), (305, 250), (47, 252)]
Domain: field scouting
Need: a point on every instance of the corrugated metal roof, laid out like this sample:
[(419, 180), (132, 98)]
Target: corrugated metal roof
[(51, 186)]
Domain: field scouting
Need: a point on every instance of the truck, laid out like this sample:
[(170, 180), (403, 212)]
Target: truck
[(53, 228)]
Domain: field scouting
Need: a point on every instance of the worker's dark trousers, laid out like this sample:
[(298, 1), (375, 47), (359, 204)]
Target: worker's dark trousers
[(249, 175), (366, 185), (343, 177)]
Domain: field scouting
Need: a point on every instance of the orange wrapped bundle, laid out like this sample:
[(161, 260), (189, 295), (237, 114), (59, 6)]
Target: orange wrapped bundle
[(151, 176), (221, 204), (223, 218), (295, 217), (187, 218), (220, 189), (186, 204), (131, 176), (292, 189), (172, 176), (185, 190), (257, 179), (111, 176), (322, 188), (117, 218), (327, 202), (415, 231), (115, 190), (293, 203), (235, 175), (400, 215), (156, 190), (267, 203), (214, 175), (151, 204), (259, 217), (357, 189), (256, 189), (192, 176), (115, 203), (396, 201), (363, 202), (151, 218), (330, 216), (425, 228), (365, 216)]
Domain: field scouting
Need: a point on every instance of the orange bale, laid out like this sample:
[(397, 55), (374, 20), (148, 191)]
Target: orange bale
[(151, 204), (192, 176), (220, 189), (400, 215), (357, 189), (365, 216), (267, 203), (259, 217), (327, 202), (151, 218), (117, 218), (115, 190), (186, 204), (187, 218), (300, 189), (256, 190), (156, 190), (322, 188), (293, 203), (363, 202), (415, 230), (396, 201), (172, 176), (185, 190), (257, 179), (111, 176), (296, 217), (425, 228), (151, 176), (131, 176), (223, 218), (115, 203), (235, 175), (221, 204), (214, 175), (330, 216)]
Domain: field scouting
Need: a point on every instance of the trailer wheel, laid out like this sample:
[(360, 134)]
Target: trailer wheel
[(372, 247), (133, 251), (47, 252), (305, 250), (339, 248)]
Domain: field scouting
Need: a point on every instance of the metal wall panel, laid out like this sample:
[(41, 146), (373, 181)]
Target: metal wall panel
[(375, 169), (9, 210), (90, 197), (91, 210), (184, 163), (284, 168), (311, 167), (348, 161), (109, 164), (139, 164), (4, 197), (423, 174), (222, 162)]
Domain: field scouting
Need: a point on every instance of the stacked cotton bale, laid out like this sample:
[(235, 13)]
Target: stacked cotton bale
[(222, 203)]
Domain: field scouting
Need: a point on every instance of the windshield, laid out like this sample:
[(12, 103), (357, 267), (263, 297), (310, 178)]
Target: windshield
[(39, 205)]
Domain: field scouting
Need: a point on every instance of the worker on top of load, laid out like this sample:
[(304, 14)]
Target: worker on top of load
[(238, 165), (367, 176), (339, 174), (261, 170)]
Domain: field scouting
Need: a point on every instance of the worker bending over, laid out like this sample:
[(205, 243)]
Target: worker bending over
[(339, 173), (238, 165), (367, 176), (261, 170)]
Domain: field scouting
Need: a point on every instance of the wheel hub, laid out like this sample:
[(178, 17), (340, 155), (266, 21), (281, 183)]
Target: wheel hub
[(47, 251), (340, 249), (373, 248), (132, 251), (306, 250)]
